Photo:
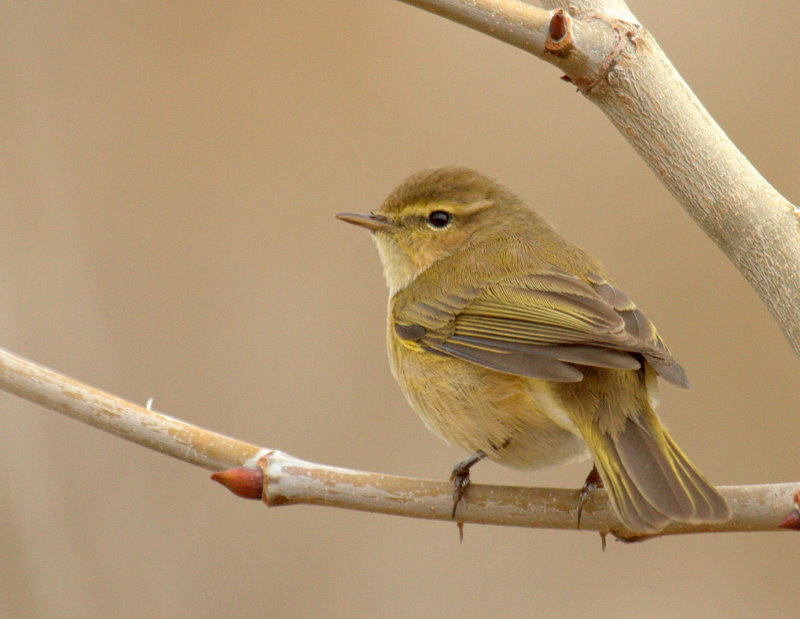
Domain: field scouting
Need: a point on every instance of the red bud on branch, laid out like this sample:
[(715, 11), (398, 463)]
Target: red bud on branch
[(243, 482)]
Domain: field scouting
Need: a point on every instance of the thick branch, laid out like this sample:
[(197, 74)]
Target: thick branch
[(629, 77), (612, 8)]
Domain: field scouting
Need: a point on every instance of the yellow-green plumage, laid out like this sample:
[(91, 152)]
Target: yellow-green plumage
[(509, 340)]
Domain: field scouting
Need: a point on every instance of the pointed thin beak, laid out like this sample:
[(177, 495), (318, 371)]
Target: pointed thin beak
[(371, 221)]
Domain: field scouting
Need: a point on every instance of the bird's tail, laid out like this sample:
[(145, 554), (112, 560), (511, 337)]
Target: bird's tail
[(648, 479)]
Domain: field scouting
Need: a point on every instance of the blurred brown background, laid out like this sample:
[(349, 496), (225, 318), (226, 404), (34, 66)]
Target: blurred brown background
[(169, 173)]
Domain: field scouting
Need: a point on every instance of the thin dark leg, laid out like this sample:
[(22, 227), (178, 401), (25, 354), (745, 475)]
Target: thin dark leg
[(460, 478), (592, 483)]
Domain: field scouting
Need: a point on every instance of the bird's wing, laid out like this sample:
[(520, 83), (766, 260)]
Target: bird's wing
[(541, 325)]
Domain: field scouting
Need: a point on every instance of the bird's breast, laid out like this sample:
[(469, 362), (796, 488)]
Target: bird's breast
[(511, 418)]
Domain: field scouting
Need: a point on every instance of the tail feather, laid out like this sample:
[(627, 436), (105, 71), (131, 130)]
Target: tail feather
[(654, 469), (629, 503), (650, 481), (712, 507)]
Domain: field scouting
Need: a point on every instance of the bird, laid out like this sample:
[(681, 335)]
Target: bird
[(512, 343)]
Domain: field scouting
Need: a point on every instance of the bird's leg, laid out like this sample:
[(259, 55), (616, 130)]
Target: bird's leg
[(592, 483), (460, 478)]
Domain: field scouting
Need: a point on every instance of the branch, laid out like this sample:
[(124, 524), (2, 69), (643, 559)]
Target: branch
[(617, 64), (124, 419), (287, 480)]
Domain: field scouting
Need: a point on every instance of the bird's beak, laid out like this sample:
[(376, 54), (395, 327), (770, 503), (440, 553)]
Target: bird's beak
[(370, 221)]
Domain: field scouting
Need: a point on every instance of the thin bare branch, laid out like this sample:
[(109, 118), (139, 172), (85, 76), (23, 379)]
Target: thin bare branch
[(527, 27), (511, 21), (288, 480), (122, 418), (618, 65)]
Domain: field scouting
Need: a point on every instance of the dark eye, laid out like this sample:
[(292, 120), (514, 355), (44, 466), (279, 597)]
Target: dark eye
[(439, 219)]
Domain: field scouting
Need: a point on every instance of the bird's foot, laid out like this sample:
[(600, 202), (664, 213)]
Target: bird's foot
[(592, 483), (460, 478)]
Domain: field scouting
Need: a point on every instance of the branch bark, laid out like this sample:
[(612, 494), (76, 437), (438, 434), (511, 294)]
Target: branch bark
[(288, 480), (125, 419), (617, 64)]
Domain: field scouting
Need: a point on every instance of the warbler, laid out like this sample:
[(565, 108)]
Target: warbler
[(511, 342)]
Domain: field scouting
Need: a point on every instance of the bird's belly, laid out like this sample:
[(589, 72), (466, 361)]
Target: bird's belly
[(504, 416)]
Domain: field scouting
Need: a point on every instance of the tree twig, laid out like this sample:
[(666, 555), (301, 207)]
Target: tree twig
[(288, 480), (122, 418)]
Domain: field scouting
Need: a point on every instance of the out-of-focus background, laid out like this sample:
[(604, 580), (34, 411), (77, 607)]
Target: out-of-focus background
[(169, 174)]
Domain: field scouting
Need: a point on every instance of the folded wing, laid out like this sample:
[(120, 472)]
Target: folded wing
[(540, 325)]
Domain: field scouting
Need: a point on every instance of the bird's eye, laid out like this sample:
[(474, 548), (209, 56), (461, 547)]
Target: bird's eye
[(439, 219)]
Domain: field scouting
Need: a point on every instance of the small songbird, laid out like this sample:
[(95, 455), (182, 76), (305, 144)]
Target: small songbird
[(511, 342)]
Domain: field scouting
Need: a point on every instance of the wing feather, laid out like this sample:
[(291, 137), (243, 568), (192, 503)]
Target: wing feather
[(540, 325)]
